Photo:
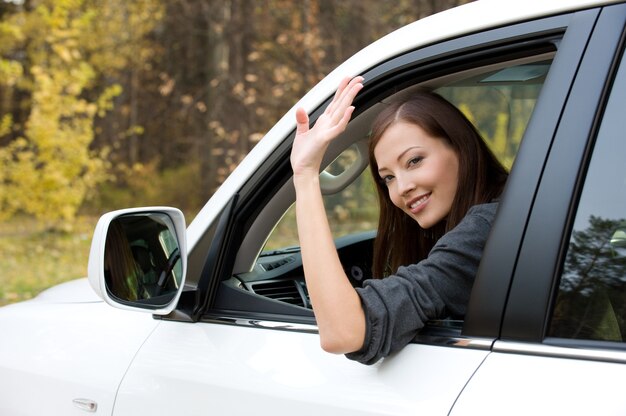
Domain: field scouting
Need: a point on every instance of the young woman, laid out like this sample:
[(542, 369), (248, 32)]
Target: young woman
[(437, 185)]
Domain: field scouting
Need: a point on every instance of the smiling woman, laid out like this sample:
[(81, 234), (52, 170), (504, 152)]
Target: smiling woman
[(437, 181), (465, 174)]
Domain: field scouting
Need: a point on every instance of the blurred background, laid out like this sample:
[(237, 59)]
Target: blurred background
[(121, 103)]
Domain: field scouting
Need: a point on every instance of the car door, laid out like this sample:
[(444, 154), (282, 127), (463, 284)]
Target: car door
[(230, 348), (562, 349)]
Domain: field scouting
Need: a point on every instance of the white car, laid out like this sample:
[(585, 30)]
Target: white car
[(222, 324)]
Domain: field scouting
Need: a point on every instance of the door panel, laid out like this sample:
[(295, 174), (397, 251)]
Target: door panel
[(510, 384), (52, 354), (200, 369)]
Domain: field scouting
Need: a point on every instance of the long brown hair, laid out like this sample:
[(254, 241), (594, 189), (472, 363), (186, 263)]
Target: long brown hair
[(123, 272), (400, 239)]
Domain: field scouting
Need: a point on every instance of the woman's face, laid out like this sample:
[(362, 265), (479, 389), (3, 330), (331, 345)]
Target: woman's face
[(420, 172)]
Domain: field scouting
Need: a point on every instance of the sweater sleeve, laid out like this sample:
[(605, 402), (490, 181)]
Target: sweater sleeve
[(439, 286)]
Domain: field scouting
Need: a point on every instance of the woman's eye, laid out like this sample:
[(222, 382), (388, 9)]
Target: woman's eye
[(415, 160), (386, 179)]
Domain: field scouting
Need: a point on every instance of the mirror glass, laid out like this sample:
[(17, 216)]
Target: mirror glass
[(618, 240), (142, 262)]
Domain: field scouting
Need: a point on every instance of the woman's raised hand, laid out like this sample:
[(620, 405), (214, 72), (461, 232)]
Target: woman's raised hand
[(338, 312), (310, 145)]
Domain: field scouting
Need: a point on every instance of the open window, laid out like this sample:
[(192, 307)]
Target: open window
[(498, 96)]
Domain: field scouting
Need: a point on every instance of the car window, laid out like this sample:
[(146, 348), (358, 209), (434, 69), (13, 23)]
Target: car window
[(350, 211), (590, 302), (498, 101)]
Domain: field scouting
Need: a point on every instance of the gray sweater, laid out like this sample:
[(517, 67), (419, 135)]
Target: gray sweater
[(437, 287)]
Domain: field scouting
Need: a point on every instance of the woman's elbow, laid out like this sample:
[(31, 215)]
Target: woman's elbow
[(341, 343), (332, 346)]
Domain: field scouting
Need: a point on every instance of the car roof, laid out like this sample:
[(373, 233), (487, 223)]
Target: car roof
[(472, 17), (455, 22)]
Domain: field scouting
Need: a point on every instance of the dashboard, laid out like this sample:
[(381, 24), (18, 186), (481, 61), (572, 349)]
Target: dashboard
[(278, 275)]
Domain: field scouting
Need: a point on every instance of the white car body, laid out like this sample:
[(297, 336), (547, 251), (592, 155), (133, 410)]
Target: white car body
[(67, 352)]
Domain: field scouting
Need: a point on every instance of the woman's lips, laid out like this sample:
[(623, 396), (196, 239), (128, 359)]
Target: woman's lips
[(417, 204)]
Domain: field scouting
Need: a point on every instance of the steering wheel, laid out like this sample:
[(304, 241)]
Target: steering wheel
[(167, 271)]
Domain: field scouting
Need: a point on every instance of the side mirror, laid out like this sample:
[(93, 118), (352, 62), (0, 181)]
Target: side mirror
[(138, 259)]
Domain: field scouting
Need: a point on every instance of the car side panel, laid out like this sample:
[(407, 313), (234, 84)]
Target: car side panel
[(539, 385), (203, 368), (52, 354)]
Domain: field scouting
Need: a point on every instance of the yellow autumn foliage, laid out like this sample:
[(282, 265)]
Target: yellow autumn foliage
[(49, 167)]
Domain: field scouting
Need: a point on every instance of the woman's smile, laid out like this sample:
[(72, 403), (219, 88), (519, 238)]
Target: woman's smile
[(417, 204)]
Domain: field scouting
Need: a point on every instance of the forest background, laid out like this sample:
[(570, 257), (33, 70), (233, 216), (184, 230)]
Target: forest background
[(118, 103)]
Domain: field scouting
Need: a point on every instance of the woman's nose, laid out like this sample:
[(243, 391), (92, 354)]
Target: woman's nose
[(405, 184)]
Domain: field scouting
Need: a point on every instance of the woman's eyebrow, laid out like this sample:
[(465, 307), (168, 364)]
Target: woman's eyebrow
[(383, 168), (406, 151)]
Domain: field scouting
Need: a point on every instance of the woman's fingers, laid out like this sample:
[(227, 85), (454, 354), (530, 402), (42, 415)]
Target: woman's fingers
[(337, 97), (310, 142), (345, 108), (346, 119), (350, 93), (348, 89), (336, 116)]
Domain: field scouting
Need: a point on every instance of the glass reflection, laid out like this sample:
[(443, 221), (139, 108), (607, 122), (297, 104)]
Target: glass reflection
[(590, 303), (142, 259)]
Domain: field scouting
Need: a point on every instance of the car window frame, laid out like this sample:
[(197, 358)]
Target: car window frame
[(389, 77)]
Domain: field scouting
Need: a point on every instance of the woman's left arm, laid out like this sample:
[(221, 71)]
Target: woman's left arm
[(337, 306)]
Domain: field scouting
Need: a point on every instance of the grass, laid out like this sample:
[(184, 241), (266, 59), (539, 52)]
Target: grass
[(34, 258)]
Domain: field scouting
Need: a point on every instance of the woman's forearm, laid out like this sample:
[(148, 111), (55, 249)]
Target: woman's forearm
[(336, 304)]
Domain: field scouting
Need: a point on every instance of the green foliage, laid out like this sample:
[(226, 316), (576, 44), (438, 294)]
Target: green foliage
[(146, 185), (49, 164), (49, 168), (498, 113), (35, 258)]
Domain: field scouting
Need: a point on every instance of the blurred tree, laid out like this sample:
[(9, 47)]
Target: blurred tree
[(163, 98), (55, 58)]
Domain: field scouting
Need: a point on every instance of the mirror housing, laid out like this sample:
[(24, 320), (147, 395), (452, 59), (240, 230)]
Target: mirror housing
[(138, 259)]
